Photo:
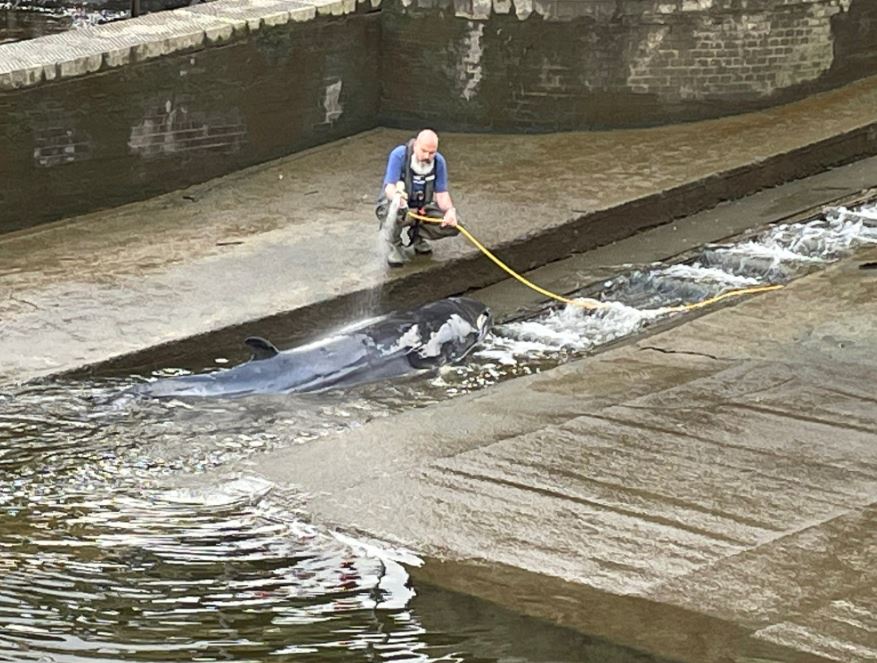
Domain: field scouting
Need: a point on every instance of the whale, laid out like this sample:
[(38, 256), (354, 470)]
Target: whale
[(390, 346)]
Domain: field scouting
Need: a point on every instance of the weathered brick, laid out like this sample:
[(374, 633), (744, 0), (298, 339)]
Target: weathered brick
[(146, 129), (549, 64), (603, 62)]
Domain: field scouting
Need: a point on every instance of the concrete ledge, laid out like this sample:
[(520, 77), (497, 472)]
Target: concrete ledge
[(88, 50), (523, 253), (200, 260), (569, 10)]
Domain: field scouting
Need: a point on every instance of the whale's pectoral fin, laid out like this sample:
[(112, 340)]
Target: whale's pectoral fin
[(262, 348), (419, 360)]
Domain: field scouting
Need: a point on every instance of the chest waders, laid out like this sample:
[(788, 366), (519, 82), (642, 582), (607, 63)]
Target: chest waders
[(426, 183), (423, 197), (420, 189)]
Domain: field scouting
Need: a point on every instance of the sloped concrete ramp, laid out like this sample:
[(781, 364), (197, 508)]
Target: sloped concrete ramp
[(707, 493)]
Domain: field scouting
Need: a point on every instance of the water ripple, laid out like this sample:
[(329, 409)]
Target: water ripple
[(100, 560)]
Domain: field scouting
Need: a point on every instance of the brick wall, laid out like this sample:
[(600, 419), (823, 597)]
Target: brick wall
[(734, 49), (104, 139), (149, 126), (563, 64)]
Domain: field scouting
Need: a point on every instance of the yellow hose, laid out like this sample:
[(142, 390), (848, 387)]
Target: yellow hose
[(587, 303)]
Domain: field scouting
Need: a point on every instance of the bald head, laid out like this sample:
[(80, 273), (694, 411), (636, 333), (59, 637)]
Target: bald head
[(427, 137), (425, 147)]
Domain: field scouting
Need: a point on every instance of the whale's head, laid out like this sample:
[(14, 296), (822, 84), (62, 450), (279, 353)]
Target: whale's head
[(476, 314), (448, 330)]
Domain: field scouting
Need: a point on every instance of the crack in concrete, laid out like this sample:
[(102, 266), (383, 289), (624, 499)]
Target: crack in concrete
[(678, 432), (798, 416), (849, 394), (556, 493), (12, 298), (686, 352)]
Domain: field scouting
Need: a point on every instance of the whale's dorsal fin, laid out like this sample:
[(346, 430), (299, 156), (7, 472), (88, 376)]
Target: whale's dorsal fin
[(262, 348)]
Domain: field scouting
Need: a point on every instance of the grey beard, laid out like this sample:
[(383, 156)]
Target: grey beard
[(420, 167)]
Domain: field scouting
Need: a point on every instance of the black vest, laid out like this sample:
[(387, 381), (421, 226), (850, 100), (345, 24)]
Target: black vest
[(425, 184)]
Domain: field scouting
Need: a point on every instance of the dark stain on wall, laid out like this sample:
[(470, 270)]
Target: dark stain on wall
[(855, 41)]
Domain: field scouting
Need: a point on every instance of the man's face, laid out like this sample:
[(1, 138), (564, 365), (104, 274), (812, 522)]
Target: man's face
[(424, 151)]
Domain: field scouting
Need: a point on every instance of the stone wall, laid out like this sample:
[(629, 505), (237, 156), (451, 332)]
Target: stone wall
[(99, 117), (159, 112), (564, 64)]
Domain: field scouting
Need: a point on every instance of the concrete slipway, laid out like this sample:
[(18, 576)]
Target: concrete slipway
[(294, 240), (706, 493)]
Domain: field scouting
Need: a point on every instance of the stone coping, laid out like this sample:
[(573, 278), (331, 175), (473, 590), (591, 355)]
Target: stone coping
[(86, 50), (602, 10)]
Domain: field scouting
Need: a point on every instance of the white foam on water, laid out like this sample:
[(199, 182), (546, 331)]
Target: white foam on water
[(505, 350), (774, 251), (714, 275), (570, 328), (866, 212), (821, 239), (246, 489)]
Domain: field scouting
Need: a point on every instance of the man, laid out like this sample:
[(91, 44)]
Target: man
[(416, 179)]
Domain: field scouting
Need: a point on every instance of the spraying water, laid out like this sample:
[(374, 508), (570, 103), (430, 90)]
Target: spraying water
[(370, 303)]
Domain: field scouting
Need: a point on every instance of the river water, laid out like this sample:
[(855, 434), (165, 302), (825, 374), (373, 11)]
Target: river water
[(20, 21), (104, 558)]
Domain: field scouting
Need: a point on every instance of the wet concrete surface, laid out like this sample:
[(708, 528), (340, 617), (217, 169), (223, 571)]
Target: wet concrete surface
[(706, 493), (289, 248)]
